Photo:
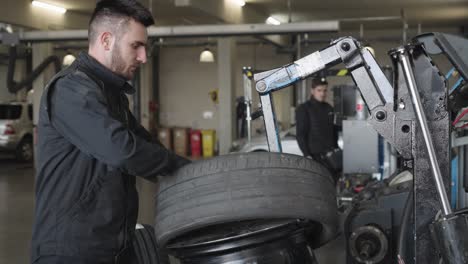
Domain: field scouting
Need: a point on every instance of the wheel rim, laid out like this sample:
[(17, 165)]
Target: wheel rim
[(26, 151)]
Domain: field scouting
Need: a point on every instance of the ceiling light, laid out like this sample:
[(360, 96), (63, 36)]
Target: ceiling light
[(55, 8), (68, 60), (206, 56), (273, 21), (240, 2)]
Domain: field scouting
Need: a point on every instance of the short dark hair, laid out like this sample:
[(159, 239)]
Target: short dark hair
[(317, 81), (117, 14)]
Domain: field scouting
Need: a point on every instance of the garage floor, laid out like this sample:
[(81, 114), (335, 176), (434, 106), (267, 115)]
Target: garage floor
[(16, 210), (17, 206)]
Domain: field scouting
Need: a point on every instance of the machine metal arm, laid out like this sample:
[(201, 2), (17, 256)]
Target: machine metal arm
[(374, 86), (420, 95)]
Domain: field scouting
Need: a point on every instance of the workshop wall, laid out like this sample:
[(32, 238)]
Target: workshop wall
[(185, 83)]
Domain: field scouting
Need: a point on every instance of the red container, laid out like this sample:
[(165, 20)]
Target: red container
[(195, 143)]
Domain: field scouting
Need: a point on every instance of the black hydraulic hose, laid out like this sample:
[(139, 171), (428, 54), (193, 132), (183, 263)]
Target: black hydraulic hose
[(395, 83), (256, 114), (404, 224), (14, 87)]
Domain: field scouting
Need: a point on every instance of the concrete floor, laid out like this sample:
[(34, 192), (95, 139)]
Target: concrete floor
[(16, 210), (17, 207)]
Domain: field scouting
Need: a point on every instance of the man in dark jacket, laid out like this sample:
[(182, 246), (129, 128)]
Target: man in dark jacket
[(90, 147), (315, 125)]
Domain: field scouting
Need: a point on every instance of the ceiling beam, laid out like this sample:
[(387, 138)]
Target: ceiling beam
[(191, 31)]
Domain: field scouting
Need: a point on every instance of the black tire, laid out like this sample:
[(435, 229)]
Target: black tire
[(146, 248), (25, 150), (248, 186)]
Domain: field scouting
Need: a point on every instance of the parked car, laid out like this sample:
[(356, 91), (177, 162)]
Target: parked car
[(16, 130), (259, 143)]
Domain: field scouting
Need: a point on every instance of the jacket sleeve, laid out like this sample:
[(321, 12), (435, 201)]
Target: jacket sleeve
[(302, 123), (176, 161), (80, 115)]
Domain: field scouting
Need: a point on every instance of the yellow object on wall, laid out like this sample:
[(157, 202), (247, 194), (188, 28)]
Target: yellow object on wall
[(214, 96), (208, 142)]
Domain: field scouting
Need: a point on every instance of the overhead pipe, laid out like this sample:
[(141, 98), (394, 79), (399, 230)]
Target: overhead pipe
[(194, 31)]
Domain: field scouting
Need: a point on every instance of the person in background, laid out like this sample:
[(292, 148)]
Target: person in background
[(316, 133)]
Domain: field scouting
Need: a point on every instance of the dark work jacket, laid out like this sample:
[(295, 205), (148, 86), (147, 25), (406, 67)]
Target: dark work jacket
[(315, 127), (89, 149)]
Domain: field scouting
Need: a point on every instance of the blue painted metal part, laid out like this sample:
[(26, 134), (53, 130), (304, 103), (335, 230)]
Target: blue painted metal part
[(454, 192)]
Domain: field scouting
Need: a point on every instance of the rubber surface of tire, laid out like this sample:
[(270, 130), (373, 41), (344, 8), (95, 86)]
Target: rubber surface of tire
[(19, 150), (146, 248), (245, 186)]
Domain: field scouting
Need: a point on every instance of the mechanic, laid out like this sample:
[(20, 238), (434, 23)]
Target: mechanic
[(90, 146), (316, 133)]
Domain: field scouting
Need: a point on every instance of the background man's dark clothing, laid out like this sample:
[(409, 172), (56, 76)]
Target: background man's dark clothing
[(315, 128), (90, 148)]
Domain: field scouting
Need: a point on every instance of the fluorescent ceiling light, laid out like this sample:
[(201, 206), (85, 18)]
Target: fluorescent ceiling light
[(273, 21), (55, 8), (240, 2)]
